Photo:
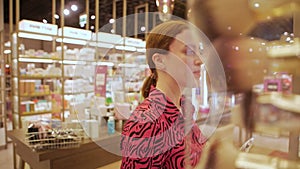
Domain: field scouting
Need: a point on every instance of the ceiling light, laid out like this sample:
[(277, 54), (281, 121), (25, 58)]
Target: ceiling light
[(56, 16), (165, 9), (92, 27), (93, 16), (7, 44), (74, 7), (256, 5), (111, 21), (7, 51), (45, 21), (143, 28), (66, 11)]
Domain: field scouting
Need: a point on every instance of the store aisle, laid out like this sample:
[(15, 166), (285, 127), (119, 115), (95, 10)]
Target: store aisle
[(6, 157)]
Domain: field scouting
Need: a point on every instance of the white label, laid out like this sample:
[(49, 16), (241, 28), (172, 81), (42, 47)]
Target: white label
[(76, 33), (108, 38), (38, 27), (134, 42)]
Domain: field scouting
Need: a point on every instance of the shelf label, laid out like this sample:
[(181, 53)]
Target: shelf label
[(100, 80), (38, 27), (108, 38), (134, 42), (76, 33)]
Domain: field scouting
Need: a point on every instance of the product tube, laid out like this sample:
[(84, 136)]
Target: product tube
[(204, 107)]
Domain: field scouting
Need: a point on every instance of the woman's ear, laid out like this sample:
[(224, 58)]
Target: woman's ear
[(159, 61)]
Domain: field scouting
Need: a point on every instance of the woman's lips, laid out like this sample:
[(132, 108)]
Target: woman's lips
[(197, 73)]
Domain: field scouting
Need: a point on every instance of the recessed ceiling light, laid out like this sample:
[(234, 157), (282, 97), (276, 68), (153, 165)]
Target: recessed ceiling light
[(74, 7), (56, 16), (111, 21), (66, 11), (256, 5)]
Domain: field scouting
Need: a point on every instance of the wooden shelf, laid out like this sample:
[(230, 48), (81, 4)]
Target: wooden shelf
[(36, 113), (39, 57), (39, 77), (74, 93), (35, 94)]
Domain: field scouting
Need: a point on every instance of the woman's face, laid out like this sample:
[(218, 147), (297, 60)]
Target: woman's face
[(183, 62)]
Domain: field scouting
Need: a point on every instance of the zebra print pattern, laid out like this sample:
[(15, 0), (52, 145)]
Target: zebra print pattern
[(154, 136)]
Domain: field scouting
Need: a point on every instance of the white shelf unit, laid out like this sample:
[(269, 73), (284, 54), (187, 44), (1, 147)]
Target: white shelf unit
[(36, 74), (46, 77)]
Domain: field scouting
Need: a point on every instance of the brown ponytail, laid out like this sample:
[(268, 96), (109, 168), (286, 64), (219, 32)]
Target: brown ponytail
[(149, 81), (158, 41)]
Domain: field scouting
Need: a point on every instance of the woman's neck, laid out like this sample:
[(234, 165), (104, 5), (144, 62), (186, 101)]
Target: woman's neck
[(170, 88)]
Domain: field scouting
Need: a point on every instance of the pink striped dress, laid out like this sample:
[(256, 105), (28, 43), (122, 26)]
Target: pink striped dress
[(156, 135)]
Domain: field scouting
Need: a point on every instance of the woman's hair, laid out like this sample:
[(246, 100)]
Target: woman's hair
[(158, 41)]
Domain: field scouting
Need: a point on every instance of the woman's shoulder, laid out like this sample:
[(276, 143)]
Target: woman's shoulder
[(146, 111), (151, 115)]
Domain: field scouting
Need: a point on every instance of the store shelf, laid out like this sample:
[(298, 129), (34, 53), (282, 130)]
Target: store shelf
[(76, 93), (72, 77), (34, 94), (35, 113), (76, 63), (36, 73), (39, 76), (38, 59)]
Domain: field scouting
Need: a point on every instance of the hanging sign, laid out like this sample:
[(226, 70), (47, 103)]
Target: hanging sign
[(82, 20), (100, 80)]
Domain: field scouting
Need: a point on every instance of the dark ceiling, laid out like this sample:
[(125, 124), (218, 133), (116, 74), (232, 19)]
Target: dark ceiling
[(38, 10)]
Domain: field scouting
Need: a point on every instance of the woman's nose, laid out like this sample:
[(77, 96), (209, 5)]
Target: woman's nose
[(197, 61)]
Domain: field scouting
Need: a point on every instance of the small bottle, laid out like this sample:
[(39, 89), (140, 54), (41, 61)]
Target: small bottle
[(111, 125)]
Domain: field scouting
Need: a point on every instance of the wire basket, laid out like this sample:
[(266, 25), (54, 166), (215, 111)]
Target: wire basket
[(55, 139)]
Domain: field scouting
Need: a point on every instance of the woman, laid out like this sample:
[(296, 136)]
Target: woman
[(161, 132)]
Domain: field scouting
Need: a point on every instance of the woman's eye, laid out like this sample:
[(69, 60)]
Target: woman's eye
[(190, 52)]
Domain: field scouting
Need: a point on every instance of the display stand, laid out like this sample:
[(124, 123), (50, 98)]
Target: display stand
[(284, 111)]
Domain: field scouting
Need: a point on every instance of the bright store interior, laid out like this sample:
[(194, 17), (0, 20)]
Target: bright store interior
[(73, 66)]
